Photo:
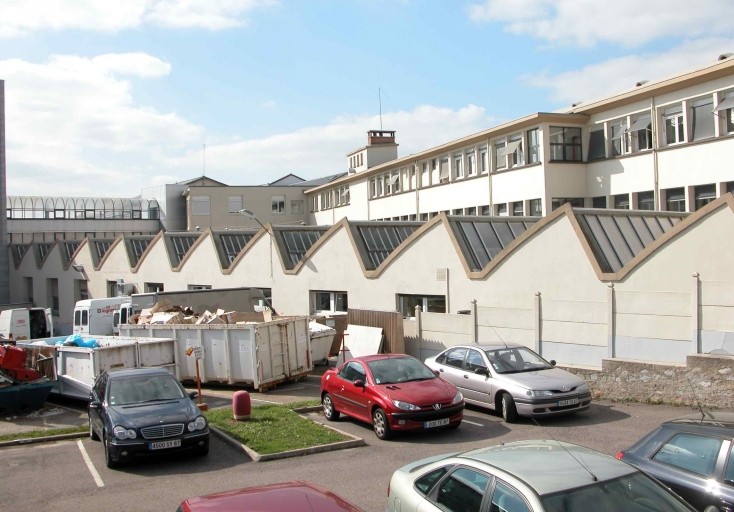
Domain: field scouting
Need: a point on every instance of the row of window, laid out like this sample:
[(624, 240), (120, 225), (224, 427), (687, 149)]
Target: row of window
[(201, 205), (90, 214), (356, 160), (673, 199)]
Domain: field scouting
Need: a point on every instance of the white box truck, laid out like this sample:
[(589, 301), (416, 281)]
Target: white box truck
[(26, 323), (95, 316)]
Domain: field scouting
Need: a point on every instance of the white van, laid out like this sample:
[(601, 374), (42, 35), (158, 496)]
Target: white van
[(26, 323), (94, 316)]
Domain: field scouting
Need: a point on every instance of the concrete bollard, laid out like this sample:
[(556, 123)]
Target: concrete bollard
[(241, 406)]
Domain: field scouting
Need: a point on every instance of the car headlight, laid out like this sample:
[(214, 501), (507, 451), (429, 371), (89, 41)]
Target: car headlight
[(198, 424), (123, 433), (537, 392), (583, 388), (458, 397), (405, 406)]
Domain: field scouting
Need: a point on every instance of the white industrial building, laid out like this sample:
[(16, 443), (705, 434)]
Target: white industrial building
[(603, 231)]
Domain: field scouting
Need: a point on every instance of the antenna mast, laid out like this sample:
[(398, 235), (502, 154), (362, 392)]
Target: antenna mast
[(379, 95)]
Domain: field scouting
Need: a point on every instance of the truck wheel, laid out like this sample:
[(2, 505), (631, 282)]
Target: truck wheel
[(92, 433), (330, 413)]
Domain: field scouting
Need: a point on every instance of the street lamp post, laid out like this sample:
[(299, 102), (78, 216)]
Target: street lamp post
[(250, 215)]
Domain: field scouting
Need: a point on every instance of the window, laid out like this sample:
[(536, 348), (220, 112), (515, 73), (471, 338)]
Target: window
[(675, 200), (112, 288), (501, 210), (472, 210), (444, 170), (458, 167), (565, 144), (484, 210), (29, 289), (725, 110), (475, 361), (81, 289), (425, 176), (483, 163), (576, 202), (622, 202), (536, 207), (53, 295), (471, 166), (454, 357), (729, 187), (704, 194), (153, 287), (329, 302), (353, 371), (599, 202), (674, 127), (596, 144), (618, 132), (729, 475), (514, 151), (518, 209), (702, 125), (428, 303), (463, 491), (533, 146), (641, 132), (500, 157), (507, 499), (277, 204), (297, 206), (425, 483), (200, 205), (690, 452), (234, 204), (458, 211), (646, 200), (199, 287)]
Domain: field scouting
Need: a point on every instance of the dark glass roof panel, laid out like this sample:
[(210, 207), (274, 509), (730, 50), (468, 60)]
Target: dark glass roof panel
[(381, 240), (297, 243), (482, 238)]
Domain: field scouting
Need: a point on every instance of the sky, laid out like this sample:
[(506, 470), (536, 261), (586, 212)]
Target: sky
[(106, 99)]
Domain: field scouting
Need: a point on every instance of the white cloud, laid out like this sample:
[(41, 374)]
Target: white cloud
[(321, 150), (621, 74), (624, 22), (73, 128), (20, 18)]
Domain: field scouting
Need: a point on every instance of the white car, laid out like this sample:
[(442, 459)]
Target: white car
[(511, 379), (528, 476)]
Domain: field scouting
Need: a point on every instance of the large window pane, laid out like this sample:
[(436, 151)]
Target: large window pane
[(703, 120)]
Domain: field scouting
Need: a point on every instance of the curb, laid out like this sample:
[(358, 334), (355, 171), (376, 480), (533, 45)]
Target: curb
[(353, 442), (46, 439)]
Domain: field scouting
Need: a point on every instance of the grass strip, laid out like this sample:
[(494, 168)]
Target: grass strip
[(274, 428), (33, 434)]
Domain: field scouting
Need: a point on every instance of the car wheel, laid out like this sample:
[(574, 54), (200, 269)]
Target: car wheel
[(380, 425), (92, 433), (509, 411), (107, 455), (330, 413)]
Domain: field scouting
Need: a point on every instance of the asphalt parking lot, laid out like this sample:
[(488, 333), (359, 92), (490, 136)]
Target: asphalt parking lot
[(71, 475)]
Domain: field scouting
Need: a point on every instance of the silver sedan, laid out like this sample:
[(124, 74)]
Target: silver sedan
[(512, 379)]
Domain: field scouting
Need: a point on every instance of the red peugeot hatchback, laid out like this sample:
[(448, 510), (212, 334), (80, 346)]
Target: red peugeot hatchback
[(296, 496), (393, 392)]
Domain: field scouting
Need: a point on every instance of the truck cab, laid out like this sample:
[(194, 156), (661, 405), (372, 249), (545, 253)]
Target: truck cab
[(121, 316)]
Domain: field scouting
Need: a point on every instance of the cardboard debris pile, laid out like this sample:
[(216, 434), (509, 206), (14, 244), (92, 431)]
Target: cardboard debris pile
[(164, 312)]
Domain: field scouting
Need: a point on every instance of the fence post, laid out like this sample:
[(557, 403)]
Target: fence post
[(696, 347), (611, 348), (475, 329), (537, 324)]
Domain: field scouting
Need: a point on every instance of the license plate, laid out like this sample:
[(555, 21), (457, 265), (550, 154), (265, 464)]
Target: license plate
[(161, 445), (435, 423), (570, 401)]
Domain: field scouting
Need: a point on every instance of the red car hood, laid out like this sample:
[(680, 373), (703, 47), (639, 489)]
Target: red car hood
[(421, 392)]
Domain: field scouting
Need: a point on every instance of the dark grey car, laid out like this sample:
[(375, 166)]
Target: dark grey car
[(144, 411), (512, 379), (693, 455)]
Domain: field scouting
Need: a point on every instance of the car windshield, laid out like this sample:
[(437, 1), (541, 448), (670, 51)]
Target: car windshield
[(399, 369), (140, 389), (516, 359), (632, 493)]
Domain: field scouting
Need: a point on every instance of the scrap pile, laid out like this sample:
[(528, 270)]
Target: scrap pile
[(164, 312)]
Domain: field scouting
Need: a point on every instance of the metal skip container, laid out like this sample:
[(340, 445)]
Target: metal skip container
[(260, 354)]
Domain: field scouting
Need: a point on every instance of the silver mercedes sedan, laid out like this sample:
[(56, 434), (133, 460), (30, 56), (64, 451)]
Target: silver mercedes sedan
[(512, 379)]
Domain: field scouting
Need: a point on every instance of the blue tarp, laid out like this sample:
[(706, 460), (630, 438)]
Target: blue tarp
[(76, 340)]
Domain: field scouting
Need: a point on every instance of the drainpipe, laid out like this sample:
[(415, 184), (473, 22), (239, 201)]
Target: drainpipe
[(654, 134)]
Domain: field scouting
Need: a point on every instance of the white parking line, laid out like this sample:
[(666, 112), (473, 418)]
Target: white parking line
[(472, 423), (90, 466), (266, 401)]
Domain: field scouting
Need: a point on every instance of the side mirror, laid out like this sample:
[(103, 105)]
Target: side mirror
[(193, 394), (438, 374), (552, 362), (95, 404), (482, 371), (359, 383)]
